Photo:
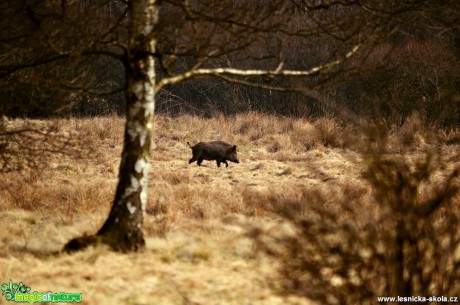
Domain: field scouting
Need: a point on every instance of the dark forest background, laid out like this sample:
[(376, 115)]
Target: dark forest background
[(67, 60)]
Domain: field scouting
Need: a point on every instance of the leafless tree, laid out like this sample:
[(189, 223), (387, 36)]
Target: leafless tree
[(232, 27)]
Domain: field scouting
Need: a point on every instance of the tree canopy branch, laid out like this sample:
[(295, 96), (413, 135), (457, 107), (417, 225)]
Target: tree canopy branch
[(278, 71)]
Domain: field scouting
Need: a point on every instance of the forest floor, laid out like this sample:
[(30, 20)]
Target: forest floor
[(199, 221)]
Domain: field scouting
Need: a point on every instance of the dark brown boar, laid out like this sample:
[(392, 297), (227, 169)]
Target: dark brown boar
[(215, 150)]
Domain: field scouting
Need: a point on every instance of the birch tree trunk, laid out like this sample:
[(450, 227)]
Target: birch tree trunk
[(123, 228)]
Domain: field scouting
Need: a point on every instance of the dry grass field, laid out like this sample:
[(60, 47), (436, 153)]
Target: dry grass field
[(200, 220)]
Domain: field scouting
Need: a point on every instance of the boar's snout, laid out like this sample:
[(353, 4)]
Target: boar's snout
[(233, 159), (232, 155)]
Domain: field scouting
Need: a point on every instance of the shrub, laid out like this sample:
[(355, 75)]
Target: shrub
[(404, 242)]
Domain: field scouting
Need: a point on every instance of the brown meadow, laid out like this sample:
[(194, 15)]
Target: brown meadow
[(200, 221)]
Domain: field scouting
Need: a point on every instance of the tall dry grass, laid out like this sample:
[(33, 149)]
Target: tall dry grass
[(73, 182), (299, 189)]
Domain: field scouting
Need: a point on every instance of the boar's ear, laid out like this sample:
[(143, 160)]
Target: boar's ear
[(231, 150)]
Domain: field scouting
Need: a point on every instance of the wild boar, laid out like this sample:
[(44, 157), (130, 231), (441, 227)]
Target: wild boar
[(215, 150)]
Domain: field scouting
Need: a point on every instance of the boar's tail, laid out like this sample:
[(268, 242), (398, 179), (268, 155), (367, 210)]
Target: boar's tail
[(188, 143)]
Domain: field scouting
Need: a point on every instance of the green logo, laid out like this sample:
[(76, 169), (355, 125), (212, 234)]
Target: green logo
[(9, 291), (21, 293)]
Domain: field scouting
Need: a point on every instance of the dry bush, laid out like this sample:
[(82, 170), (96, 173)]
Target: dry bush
[(259, 203), (323, 132), (274, 146), (449, 136), (173, 177), (51, 167), (98, 130), (30, 145), (254, 125), (413, 131), (407, 245), (185, 205), (304, 137), (329, 132), (61, 198)]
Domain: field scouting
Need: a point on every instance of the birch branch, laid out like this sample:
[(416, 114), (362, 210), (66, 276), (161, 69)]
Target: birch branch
[(243, 72)]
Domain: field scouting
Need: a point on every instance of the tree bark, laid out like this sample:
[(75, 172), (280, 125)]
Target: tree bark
[(123, 229)]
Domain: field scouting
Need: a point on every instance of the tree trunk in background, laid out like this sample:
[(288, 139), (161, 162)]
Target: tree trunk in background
[(123, 228)]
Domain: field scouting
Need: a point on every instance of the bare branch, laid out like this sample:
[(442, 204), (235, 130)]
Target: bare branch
[(278, 71)]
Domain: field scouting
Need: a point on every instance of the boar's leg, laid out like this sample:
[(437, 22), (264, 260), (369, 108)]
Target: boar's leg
[(191, 160), (218, 162), (200, 160), (225, 161)]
